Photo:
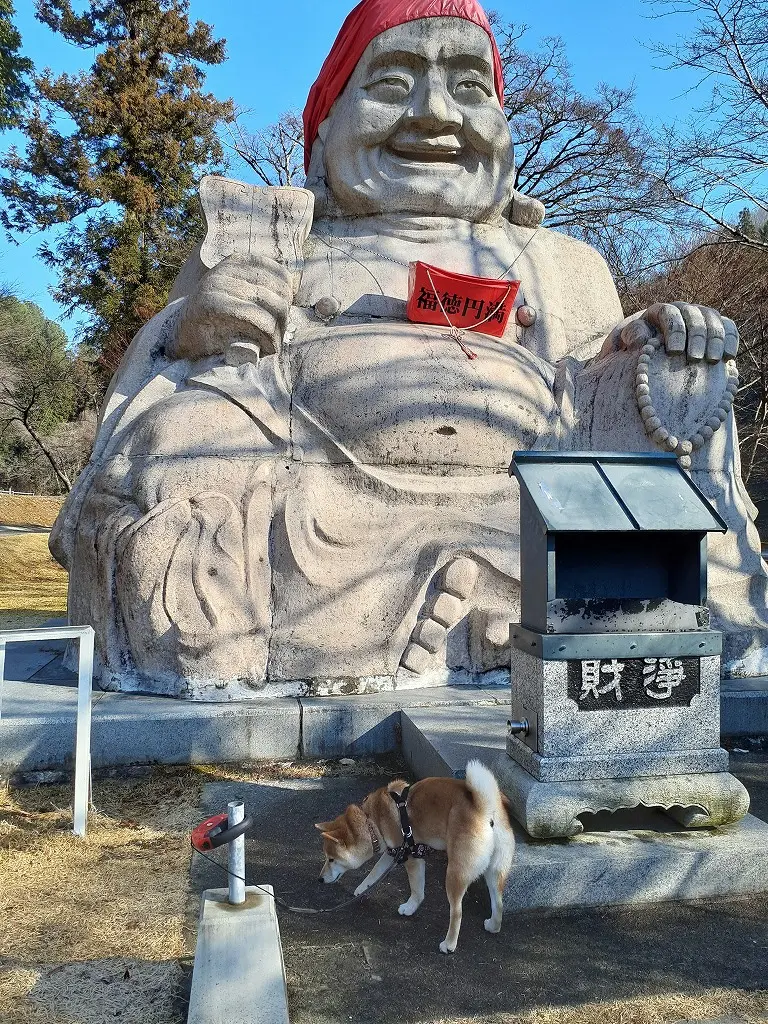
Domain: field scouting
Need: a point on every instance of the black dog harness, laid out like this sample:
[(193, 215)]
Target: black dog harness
[(409, 848)]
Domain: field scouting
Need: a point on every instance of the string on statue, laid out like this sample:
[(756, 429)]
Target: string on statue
[(457, 333)]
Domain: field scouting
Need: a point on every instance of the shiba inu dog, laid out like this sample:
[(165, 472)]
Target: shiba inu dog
[(468, 819)]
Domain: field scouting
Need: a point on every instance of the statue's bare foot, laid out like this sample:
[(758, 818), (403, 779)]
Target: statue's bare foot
[(431, 634)]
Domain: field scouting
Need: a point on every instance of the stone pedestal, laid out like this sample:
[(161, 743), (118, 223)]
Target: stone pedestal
[(617, 721), (551, 810)]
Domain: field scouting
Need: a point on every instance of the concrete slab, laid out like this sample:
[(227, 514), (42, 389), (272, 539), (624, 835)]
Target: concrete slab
[(440, 742), (38, 725), (37, 729), (371, 724), (608, 868), (753, 683), (55, 674), (744, 712), (239, 976), (22, 661)]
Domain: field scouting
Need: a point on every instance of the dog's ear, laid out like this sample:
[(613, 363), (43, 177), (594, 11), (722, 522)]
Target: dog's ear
[(323, 826)]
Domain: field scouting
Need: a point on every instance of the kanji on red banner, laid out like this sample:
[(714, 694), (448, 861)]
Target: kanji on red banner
[(445, 299)]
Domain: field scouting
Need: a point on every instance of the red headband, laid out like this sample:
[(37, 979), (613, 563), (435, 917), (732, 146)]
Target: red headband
[(368, 20)]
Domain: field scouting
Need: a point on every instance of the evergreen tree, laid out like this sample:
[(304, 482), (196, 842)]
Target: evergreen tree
[(14, 90), (119, 171), (748, 226)]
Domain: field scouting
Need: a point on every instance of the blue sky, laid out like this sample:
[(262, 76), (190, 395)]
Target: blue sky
[(275, 51)]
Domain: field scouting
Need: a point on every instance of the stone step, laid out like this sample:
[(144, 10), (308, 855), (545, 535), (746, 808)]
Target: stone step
[(437, 741)]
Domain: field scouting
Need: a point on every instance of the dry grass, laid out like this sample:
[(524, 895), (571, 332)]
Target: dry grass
[(30, 579), (275, 771), (711, 1005), (28, 510), (95, 929), (98, 929)]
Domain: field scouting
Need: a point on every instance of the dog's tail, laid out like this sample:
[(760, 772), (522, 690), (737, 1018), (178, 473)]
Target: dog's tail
[(485, 791), (484, 787)]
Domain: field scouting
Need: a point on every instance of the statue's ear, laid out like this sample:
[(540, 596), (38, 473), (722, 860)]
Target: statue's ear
[(316, 182), (525, 211)]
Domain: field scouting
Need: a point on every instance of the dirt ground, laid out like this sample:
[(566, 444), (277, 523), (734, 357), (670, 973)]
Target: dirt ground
[(29, 509), (30, 579), (653, 964), (103, 929)]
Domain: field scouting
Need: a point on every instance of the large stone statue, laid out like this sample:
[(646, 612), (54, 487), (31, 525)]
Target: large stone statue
[(296, 488)]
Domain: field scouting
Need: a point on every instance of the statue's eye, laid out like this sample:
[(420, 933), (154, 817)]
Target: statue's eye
[(330, 860), (390, 89), (471, 88)]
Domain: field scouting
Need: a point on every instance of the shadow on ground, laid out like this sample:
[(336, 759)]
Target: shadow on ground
[(366, 964)]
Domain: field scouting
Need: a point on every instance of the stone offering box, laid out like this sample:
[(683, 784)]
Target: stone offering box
[(615, 673)]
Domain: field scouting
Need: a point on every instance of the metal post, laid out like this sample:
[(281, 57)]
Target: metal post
[(235, 814), (83, 734)]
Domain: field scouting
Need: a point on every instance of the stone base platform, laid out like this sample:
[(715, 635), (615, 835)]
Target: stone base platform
[(239, 974), (552, 810), (639, 866), (438, 728), (647, 857)]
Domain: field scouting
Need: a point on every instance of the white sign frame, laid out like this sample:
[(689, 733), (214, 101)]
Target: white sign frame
[(85, 635)]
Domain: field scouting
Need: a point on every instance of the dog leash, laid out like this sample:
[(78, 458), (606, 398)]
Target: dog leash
[(284, 903), (209, 839)]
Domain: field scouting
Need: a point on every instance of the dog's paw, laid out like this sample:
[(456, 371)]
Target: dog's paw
[(361, 889), (408, 908), (492, 926), (445, 948)]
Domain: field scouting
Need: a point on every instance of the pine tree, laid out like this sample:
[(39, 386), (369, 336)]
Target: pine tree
[(119, 172), (14, 69)]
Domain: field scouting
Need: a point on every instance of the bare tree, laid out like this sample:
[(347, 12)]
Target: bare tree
[(584, 158), (274, 153), (43, 387), (717, 163)]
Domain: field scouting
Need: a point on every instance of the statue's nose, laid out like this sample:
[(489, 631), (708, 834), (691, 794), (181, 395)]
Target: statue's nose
[(433, 106)]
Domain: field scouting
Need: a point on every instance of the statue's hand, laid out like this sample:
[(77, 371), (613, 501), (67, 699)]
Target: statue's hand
[(240, 299), (696, 331)]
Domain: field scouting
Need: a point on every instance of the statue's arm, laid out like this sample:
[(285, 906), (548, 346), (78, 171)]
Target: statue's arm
[(239, 285), (241, 299), (593, 311)]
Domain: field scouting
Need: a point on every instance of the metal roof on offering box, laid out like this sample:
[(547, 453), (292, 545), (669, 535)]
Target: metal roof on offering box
[(599, 492)]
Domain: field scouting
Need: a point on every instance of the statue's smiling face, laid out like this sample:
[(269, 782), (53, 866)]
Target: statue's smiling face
[(419, 128)]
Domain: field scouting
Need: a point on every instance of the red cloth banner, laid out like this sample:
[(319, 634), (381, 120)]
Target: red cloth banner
[(439, 297)]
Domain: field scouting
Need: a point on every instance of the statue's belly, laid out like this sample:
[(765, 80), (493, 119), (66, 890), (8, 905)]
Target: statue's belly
[(395, 393)]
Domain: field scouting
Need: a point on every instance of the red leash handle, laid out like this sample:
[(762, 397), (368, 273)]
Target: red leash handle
[(213, 832)]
